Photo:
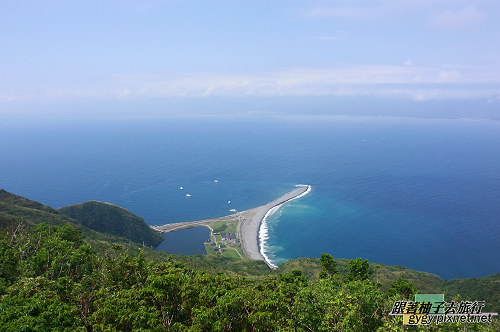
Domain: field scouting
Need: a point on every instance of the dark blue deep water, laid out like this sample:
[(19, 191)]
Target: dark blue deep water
[(185, 241), (415, 192)]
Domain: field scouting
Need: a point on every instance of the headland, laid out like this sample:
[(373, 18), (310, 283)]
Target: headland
[(249, 223)]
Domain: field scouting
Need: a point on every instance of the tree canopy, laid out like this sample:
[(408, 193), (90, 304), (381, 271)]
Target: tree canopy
[(52, 279)]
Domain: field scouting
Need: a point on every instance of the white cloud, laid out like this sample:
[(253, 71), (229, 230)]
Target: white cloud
[(467, 17), (434, 93), (444, 81), (409, 63), (449, 76)]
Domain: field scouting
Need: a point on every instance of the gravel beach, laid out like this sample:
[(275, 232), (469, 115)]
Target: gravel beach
[(248, 224), (248, 228)]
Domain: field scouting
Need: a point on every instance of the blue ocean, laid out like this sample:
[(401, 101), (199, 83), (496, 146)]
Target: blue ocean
[(422, 193)]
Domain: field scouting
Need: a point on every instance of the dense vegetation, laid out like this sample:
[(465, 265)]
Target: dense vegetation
[(16, 209), (112, 219), (57, 278), (13, 208)]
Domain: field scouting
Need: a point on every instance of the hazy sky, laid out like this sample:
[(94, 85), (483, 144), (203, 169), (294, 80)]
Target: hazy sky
[(56, 56)]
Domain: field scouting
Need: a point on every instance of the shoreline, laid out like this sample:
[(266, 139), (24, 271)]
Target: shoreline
[(250, 223), (262, 240), (249, 228)]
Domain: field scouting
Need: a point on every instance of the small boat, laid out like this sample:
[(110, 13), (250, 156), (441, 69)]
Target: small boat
[(182, 188), (187, 195), (229, 202), (232, 210), (216, 181)]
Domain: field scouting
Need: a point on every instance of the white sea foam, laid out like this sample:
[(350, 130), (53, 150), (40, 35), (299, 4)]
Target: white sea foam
[(263, 230)]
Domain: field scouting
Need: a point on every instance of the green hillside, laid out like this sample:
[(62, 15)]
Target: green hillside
[(112, 219), (57, 274), (16, 210)]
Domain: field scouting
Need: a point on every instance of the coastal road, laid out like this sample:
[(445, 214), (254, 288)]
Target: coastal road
[(248, 225)]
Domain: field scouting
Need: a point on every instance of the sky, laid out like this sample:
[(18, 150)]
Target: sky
[(430, 58)]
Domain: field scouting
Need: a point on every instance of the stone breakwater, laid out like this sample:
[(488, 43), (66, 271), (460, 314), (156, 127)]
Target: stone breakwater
[(248, 225)]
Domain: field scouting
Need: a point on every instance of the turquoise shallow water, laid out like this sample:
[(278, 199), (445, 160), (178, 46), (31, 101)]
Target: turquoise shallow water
[(420, 193)]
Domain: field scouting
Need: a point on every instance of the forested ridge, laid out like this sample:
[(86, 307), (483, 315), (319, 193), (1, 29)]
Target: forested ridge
[(112, 219), (54, 277)]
